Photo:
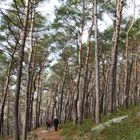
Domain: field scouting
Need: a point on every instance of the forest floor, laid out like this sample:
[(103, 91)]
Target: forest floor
[(128, 129), (42, 134)]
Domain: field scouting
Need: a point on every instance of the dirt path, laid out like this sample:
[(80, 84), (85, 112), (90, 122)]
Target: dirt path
[(44, 135)]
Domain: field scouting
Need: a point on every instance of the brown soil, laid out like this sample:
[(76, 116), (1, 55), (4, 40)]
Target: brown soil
[(42, 134)]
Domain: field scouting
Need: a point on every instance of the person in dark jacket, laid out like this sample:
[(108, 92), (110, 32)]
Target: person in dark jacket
[(56, 122)]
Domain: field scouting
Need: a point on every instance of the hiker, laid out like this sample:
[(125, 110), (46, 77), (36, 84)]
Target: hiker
[(48, 124), (55, 123)]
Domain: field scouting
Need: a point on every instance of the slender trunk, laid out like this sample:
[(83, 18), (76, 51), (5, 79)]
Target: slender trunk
[(32, 100), (29, 84), (86, 75), (32, 88), (85, 90), (104, 88), (97, 104), (39, 95), (126, 76), (37, 104), (76, 97), (113, 67), (127, 70), (136, 77), (5, 91), (62, 91), (87, 103), (19, 73), (8, 111), (6, 85), (128, 85)]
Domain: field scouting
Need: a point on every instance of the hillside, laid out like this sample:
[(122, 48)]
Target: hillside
[(128, 129)]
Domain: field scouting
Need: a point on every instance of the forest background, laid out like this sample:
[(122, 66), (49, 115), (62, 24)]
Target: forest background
[(95, 47)]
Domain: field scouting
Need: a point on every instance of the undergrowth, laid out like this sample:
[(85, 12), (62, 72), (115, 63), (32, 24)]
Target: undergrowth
[(128, 129)]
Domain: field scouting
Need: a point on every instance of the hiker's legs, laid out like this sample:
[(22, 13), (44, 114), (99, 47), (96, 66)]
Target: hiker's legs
[(55, 127), (48, 128)]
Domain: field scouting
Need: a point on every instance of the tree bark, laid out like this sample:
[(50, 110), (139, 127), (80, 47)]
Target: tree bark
[(76, 97), (63, 86), (127, 68), (19, 73), (5, 90), (39, 96), (33, 87), (29, 82), (86, 74), (97, 87), (113, 67)]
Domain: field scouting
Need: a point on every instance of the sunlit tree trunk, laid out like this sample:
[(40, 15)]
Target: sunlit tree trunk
[(128, 66), (103, 86), (135, 80), (5, 90), (113, 67), (37, 113), (63, 85), (39, 96), (76, 96), (86, 74), (29, 84), (8, 116), (87, 97), (97, 88), (33, 86), (19, 72)]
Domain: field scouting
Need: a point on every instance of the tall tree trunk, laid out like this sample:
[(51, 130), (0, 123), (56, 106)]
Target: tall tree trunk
[(5, 96), (103, 86), (19, 73), (97, 88), (29, 82), (86, 75), (76, 97), (37, 104), (5, 90), (113, 67), (39, 95), (135, 81), (63, 86), (89, 91), (33, 87), (8, 113), (127, 68)]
